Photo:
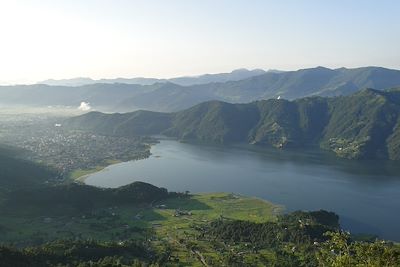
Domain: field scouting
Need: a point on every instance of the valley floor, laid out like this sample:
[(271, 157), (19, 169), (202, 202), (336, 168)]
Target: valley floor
[(172, 224), (214, 229)]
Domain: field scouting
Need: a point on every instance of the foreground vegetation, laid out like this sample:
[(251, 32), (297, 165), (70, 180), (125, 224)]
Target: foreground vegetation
[(142, 225), (279, 243)]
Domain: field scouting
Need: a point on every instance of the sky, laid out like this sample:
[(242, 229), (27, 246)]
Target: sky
[(169, 38)]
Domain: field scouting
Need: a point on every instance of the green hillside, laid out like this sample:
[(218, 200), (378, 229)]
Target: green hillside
[(145, 122), (365, 124), (214, 121), (74, 198)]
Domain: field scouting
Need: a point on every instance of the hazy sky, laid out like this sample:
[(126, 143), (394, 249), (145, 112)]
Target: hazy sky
[(166, 38)]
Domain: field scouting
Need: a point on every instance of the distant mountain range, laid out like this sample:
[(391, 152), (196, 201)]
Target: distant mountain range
[(235, 75), (365, 124), (167, 96)]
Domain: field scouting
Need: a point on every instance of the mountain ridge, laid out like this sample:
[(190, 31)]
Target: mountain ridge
[(365, 124), (171, 97), (236, 74)]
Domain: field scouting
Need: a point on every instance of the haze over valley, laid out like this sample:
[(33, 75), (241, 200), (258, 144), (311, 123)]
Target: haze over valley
[(212, 133), (240, 86)]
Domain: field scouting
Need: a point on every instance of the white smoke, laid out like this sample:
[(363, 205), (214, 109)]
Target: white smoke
[(85, 106)]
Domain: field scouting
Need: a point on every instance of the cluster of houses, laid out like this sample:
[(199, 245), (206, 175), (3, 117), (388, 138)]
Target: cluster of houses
[(179, 212), (67, 150)]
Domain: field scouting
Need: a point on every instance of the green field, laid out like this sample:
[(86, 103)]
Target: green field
[(142, 222), (81, 174), (181, 233), (121, 222), (182, 230)]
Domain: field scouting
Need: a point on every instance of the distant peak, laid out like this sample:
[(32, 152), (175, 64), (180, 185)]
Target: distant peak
[(240, 70), (322, 68), (244, 70), (275, 71), (318, 68)]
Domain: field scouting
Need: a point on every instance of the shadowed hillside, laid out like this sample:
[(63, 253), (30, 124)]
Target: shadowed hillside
[(18, 173)]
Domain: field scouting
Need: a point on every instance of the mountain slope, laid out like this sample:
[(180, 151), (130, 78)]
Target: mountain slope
[(309, 82), (136, 123), (168, 97), (214, 121), (235, 75), (18, 173), (363, 125)]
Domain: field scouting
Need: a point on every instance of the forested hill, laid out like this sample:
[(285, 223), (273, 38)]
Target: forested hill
[(365, 124), (175, 95)]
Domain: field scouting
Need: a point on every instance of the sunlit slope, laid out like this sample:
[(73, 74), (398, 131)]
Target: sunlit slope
[(362, 125)]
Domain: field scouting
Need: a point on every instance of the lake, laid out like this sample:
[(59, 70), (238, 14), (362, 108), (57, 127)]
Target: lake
[(366, 194)]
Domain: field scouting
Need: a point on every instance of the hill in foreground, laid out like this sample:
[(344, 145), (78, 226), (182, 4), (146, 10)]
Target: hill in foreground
[(209, 229), (17, 173)]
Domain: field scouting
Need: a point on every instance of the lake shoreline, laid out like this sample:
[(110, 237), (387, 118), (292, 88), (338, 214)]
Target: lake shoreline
[(298, 180), (80, 175)]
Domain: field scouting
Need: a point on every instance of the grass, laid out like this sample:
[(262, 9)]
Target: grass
[(180, 232), (204, 208), (143, 222), (214, 205), (81, 174)]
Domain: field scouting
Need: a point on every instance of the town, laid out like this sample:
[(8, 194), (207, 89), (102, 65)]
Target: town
[(65, 151)]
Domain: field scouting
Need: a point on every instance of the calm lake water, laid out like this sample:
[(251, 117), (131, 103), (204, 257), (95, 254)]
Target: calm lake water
[(366, 194)]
